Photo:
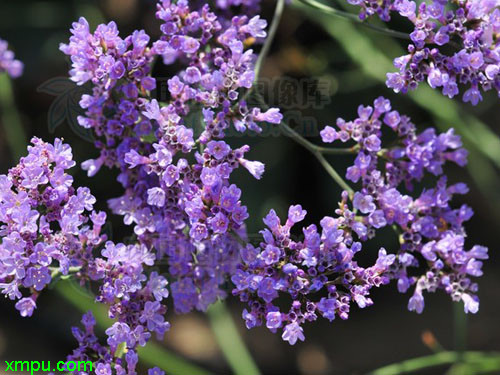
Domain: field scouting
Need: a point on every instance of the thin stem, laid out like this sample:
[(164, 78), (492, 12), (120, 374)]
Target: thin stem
[(353, 18), (280, 6), (316, 151), (459, 329), (482, 361), (278, 12), (315, 148), (301, 140), (333, 173), (335, 151)]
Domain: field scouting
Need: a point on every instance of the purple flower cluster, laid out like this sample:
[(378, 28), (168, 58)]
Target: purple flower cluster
[(218, 64), (119, 72), (430, 230), (453, 44), (177, 194), (47, 226), (319, 273), (104, 359), (8, 63)]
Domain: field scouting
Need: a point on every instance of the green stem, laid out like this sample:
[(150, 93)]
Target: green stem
[(333, 173), (11, 120), (317, 152), (278, 12), (460, 329), (481, 362), (152, 354), (230, 342), (353, 18)]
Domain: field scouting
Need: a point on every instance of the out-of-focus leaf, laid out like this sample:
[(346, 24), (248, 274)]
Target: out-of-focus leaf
[(11, 120), (230, 341)]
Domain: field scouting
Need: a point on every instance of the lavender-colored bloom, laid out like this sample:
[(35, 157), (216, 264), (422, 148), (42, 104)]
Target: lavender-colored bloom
[(26, 307), (292, 333), (46, 223), (8, 63), (469, 26)]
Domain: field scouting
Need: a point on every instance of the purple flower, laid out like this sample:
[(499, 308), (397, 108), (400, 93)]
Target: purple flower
[(328, 134), (327, 307), (192, 75), (156, 197), (416, 302), (296, 213), (8, 63), (37, 278), (219, 223), (209, 177), (255, 27), (26, 306), (364, 203), (272, 115), (218, 149), (292, 333), (471, 304), (256, 168), (372, 143), (273, 320), (271, 254)]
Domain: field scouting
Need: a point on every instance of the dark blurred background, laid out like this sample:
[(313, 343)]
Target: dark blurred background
[(378, 335)]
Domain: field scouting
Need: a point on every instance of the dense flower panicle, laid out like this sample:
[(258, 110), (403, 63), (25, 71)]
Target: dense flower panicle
[(218, 66), (319, 273), (119, 70), (177, 197), (8, 62), (47, 226), (469, 29), (431, 231), (184, 212), (189, 213)]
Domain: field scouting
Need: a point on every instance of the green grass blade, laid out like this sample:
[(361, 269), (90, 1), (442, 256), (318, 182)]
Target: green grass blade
[(10, 119), (476, 362), (230, 342)]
